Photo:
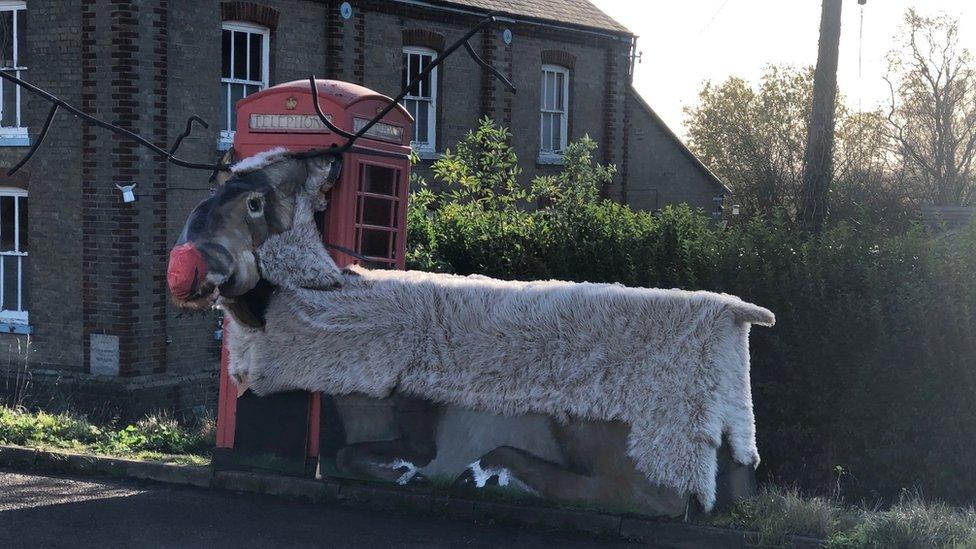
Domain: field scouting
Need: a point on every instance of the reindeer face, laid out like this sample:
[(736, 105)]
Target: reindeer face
[(216, 254)]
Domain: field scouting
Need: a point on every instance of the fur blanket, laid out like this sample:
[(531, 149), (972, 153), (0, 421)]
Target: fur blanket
[(672, 364)]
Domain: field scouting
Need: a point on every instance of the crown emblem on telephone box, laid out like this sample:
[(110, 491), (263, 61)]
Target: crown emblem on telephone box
[(291, 103)]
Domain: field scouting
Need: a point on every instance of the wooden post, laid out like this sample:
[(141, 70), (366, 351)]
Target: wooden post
[(818, 161)]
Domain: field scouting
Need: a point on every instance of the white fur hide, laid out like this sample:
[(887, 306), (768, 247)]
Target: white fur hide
[(673, 364)]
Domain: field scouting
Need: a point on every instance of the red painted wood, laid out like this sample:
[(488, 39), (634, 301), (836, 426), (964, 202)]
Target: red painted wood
[(227, 399)]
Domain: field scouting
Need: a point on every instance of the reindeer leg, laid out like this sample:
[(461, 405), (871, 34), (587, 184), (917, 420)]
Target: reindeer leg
[(398, 460), (508, 466)]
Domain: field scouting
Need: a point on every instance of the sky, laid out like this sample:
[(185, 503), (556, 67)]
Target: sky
[(686, 42)]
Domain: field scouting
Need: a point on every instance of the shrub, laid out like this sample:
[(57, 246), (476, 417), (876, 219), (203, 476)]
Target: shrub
[(869, 366)]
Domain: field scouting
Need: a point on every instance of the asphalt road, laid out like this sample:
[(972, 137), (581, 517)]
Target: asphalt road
[(57, 511)]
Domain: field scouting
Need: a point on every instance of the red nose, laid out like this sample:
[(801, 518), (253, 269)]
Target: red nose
[(186, 272)]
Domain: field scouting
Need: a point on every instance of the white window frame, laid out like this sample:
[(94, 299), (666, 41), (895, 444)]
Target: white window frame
[(430, 146), (16, 135), (18, 315), (549, 155), (226, 134)]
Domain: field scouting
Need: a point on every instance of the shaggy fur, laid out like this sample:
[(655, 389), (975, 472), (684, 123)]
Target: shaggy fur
[(258, 161), (672, 364)]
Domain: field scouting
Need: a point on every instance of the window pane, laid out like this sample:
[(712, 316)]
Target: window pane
[(9, 105), (240, 55), (375, 243), (559, 91), (21, 36), (557, 132), (414, 72), (225, 55), (24, 286), (236, 93), (550, 90), (6, 39), (250, 89), (425, 83), (411, 106), (10, 263), (23, 223), (6, 223), (377, 211), (423, 121), (257, 59), (546, 131), (379, 180)]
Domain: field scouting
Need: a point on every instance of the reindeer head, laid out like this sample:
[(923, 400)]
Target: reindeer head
[(215, 260)]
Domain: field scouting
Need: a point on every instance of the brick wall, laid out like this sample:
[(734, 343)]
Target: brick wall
[(660, 173), (97, 265), (53, 269)]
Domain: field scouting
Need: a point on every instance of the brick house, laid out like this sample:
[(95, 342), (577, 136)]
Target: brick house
[(90, 288)]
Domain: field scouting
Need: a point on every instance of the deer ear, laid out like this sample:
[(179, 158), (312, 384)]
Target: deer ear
[(323, 172), (221, 176)]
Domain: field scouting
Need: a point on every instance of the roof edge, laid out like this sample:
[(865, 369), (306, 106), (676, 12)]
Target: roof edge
[(677, 141), (520, 18)]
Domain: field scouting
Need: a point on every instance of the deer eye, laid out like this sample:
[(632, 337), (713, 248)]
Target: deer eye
[(254, 205)]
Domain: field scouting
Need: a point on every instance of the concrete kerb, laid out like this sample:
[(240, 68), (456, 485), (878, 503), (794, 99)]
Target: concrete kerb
[(18, 457), (389, 498)]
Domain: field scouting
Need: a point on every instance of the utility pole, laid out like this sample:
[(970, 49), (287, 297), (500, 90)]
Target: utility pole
[(818, 160)]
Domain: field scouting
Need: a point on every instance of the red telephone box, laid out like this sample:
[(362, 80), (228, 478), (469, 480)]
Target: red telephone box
[(366, 213)]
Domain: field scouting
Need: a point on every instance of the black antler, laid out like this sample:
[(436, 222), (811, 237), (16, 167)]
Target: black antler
[(463, 41), (170, 156), (88, 119)]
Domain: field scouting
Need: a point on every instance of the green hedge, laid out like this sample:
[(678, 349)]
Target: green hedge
[(866, 383)]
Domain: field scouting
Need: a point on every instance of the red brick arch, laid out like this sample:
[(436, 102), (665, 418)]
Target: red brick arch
[(251, 12), (559, 57), (17, 181), (424, 38)]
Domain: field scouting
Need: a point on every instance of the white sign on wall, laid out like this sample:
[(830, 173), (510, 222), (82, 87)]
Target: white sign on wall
[(104, 354)]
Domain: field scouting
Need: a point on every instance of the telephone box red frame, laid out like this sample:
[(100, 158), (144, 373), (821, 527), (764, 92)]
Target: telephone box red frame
[(284, 116)]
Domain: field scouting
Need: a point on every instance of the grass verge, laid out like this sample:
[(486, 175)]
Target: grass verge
[(156, 437), (777, 513)]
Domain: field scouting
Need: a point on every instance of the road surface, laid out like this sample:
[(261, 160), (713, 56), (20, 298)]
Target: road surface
[(60, 511)]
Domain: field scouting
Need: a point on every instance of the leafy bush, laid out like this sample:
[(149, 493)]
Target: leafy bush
[(870, 365)]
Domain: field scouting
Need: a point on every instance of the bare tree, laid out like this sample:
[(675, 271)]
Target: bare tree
[(932, 110)]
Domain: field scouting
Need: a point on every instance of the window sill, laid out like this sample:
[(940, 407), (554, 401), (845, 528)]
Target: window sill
[(429, 155), (549, 159), (15, 328), (14, 137)]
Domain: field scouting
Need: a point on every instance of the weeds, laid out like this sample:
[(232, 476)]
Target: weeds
[(912, 523), (157, 436), (17, 374), (778, 513)]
